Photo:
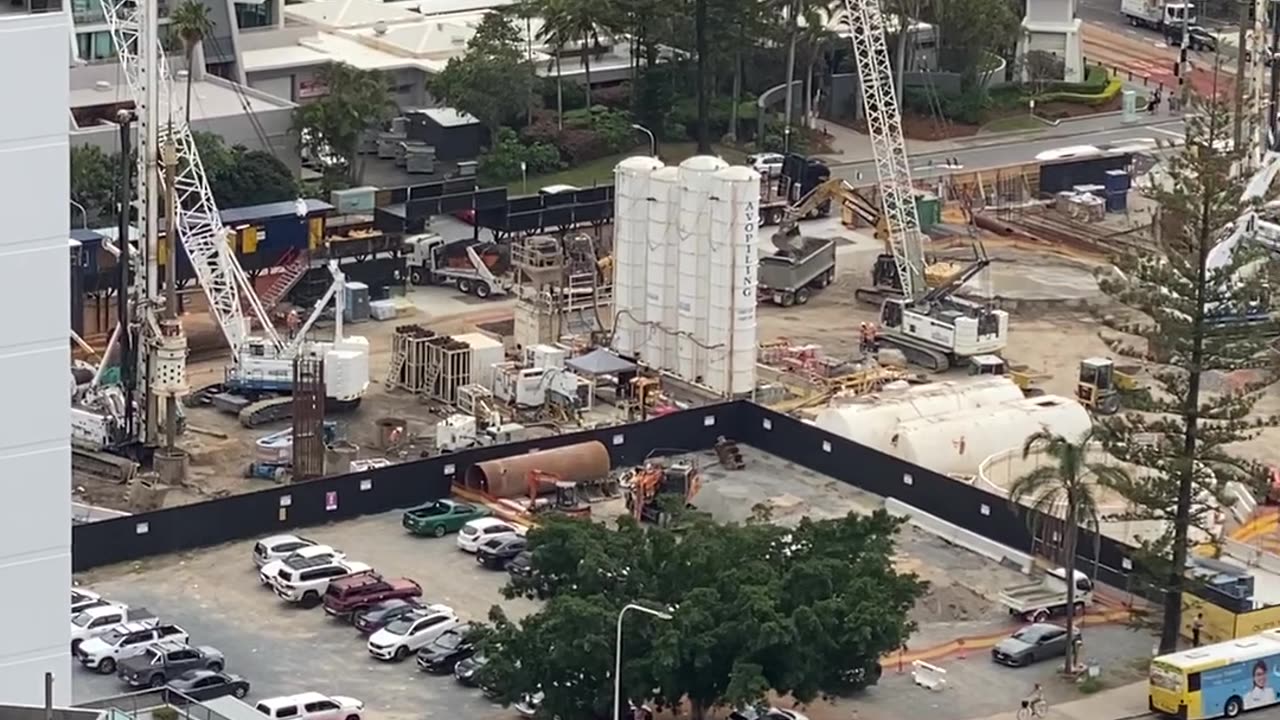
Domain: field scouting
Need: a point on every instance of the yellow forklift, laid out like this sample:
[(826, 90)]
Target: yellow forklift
[(1022, 376), (1100, 383)]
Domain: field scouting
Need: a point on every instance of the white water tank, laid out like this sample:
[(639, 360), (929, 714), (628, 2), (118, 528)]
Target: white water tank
[(662, 258), (873, 420), (630, 249), (957, 443), (694, 232), (733, 259)]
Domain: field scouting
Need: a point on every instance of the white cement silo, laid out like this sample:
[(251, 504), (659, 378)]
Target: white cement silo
[(874, 420), (663, 259), (694, 229), (957, 443), (732, 263), (630, 250)]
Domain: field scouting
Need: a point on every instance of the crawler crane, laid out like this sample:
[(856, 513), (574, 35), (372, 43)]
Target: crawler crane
[(933, 328), (261, 364)]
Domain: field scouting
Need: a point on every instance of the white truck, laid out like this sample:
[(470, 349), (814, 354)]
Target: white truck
[(1158, 14), (428, 265), (125, 641), (1035, 601), (304, 582), (95, 621)]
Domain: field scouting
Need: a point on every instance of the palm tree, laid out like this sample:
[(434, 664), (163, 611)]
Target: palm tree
[(190, 21), (1064, 489), (579, 20), (817, 41), (553, 34)]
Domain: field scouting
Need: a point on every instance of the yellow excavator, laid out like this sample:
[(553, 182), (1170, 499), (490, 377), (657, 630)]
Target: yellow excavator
[(856, 209)]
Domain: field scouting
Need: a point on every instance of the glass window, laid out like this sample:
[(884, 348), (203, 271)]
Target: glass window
[(253, 15)]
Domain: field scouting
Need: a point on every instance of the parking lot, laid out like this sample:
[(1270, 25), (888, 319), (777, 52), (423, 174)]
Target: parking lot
[(214, 594)]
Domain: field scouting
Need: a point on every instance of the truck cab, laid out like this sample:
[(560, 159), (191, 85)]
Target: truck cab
[(429, 264)]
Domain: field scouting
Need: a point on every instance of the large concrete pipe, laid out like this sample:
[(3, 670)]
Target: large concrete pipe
[(507, 477)]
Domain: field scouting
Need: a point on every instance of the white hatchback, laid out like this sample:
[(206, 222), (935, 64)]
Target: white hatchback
[(411, 633), (478, 531)]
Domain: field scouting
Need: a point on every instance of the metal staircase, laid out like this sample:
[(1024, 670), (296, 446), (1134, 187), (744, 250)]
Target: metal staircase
[(199, 226), (293, 266)]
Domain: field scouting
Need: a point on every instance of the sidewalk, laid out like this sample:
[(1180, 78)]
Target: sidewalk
[(1126, 701)]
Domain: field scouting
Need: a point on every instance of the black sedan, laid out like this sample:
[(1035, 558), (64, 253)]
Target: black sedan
[(373, 618), (465, 671), (521, 565), (444, 653), (206, 685)]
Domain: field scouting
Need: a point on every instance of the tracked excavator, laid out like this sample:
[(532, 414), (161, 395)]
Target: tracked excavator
[(885, 281)]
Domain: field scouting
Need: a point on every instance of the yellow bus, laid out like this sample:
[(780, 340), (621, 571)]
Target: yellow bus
[(1221, 680)]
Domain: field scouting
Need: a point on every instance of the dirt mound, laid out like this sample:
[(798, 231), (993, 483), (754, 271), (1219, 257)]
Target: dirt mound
[(950, 603)]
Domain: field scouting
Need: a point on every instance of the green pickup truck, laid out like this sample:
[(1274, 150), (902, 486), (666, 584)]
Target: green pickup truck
[(439, 517)]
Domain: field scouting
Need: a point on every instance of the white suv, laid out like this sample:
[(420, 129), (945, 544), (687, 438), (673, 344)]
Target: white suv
[(410, 633), (310, 706), (306, 581), (309, 552), (277, 547), (478, 531), (124, 641)]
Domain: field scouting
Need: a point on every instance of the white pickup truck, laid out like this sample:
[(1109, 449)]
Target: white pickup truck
[(1036, 601), (95, 621)]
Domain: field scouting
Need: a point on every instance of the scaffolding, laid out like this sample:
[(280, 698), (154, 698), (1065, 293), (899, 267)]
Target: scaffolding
[(410, 359), (308, 418), (448, 368), (562, 289)]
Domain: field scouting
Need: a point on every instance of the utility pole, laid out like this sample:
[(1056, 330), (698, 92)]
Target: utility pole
[(1275, 76), (1242, 42), (1184, 66)]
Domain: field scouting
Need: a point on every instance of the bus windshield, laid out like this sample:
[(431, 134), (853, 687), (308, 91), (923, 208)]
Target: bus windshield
[(1166, 678)]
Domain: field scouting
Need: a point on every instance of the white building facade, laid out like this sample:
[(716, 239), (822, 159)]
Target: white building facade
[(1052, 26), (35, 450)]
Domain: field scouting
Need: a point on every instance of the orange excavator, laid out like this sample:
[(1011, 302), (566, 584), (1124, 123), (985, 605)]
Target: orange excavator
[(646, 485), (563, 496)]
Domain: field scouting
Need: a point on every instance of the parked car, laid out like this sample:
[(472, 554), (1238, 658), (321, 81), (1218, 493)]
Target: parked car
[(98, 620), (1198, 38), (168, 660), (767, 164), (443, 653), (497, 552), (766, 713), (477, 531), (1034, 642), (528, 705), (85, 599), (346, 595), (374, 617), (306, 584), (273, 568), (465, 671), (277, 547), (209, 684), (440, 517), (522, 564), (124, 641), (310, 706), (412, 633)]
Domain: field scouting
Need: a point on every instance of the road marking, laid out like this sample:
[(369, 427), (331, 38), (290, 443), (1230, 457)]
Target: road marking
[(1167, 132)]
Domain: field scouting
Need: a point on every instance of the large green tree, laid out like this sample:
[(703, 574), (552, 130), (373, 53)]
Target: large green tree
[(357, 101), (755, 608), (583, 22), (239, 176), (493, 79), (93, 183), (1190, 295), (969, 29)]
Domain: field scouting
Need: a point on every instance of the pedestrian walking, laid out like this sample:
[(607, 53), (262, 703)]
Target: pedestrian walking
[(1197, 626), (863, 336)]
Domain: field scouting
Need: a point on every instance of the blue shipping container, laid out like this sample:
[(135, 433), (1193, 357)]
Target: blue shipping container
[(1117, 202)]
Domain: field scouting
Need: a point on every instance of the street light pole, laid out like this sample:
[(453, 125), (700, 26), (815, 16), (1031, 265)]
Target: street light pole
[(653, 141), (84, 214), (617, 658)]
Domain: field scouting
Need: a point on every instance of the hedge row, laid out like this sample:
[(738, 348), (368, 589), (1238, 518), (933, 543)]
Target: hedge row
[(1110, 92)]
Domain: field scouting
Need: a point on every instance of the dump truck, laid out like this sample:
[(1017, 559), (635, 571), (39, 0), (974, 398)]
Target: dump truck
[(1037, 600), (430, 264), (1158, 14), (790, 275)]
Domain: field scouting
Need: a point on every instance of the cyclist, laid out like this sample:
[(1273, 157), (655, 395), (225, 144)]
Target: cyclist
[(1034, 704)]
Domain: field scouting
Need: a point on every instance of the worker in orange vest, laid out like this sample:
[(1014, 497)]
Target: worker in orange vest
[(873, 337), (863, 337)]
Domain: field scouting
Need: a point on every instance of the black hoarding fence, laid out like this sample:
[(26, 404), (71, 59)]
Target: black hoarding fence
[(990, 516), (331, 499)]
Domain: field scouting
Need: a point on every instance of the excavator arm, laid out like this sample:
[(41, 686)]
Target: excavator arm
[(833, 189)]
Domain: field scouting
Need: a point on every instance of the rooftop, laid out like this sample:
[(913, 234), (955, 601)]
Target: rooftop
[(449, 117), (347, 14), (211, 97)]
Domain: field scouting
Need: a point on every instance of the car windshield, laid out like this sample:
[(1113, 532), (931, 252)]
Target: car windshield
[(399, 626), (81, 619), (449, 640)]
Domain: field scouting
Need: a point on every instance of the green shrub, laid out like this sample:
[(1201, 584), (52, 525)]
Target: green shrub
[(1110, 92), (966, 107), (501, 163), (1095, 81), (164, 713)]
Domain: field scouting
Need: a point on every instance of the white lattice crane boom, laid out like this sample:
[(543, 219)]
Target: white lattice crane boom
[(884, 124), (199, 225)]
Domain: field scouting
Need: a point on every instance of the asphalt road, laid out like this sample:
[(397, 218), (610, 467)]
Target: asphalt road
[(1019, 149)]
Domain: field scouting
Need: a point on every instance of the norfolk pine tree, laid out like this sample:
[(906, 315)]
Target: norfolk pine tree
[(1177, 428)]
